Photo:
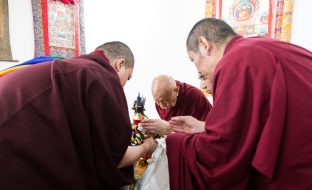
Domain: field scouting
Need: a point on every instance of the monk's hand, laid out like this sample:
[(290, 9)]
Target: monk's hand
[(156, 126), (149, 145), (186, 124)]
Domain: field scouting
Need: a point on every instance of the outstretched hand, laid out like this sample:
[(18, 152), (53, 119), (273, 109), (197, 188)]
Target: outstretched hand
[(156, 126), (186, 124)]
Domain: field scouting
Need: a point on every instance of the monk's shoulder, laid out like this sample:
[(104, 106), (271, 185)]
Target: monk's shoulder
[(79, 67), (194, 93), (247, 55)]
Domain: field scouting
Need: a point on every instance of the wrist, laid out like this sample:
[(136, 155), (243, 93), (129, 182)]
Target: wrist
[(143, 149), (202, 127)]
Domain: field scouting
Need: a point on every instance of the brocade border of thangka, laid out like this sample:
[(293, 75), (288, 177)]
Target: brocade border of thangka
[(41, 33), (283, 20), (38, 31), (211, 11), (82, 28)]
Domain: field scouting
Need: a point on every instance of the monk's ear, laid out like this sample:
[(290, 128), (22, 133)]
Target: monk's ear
[(204, 46), (119, 64)]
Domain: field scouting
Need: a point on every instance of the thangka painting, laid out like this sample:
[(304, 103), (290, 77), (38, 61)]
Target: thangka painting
[(5, 47), (247, 17), (58, 28), (268, 18)]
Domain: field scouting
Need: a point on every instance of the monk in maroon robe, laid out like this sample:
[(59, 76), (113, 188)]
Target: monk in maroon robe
[(65, 124), (258, 134), (174, 98)]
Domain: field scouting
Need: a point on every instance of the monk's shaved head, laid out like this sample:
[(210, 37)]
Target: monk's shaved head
[(163, 84), (214, 30), (117, 50), (120, 58), (165, 91)]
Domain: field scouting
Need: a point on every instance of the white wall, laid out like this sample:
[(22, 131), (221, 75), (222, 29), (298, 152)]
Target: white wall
[(21, 32), (155, 30), (302, 27)]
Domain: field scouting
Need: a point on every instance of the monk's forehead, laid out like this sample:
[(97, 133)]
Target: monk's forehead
[(162, 87), (162, 94)]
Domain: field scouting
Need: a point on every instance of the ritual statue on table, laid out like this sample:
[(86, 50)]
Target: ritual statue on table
[(138, 135)]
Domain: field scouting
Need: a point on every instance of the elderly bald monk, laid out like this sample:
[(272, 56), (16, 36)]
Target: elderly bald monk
[(258, 134), (174, 98), (64, 124)]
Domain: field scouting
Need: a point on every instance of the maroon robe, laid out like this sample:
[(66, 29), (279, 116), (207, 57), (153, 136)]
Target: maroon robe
[(259, 133), (63, 125), (190, 101)]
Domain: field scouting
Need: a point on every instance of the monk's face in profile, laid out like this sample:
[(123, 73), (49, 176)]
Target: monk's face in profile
[(124, 72), (205, 83), (206, 58), (166, 98), (125, 75)]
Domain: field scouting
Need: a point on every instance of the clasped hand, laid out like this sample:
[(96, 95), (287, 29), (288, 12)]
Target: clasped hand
[(156, 126)]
